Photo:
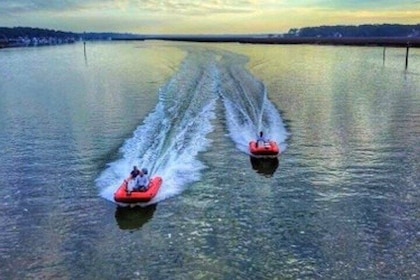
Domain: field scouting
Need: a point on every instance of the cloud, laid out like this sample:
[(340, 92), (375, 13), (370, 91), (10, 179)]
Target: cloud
[(371, 5), (193, 7), (16, 6), (185, 7), (201, 16)]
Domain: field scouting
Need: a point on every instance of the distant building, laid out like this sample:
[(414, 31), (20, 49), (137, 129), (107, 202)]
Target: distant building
[(3, 41), (415, 33)]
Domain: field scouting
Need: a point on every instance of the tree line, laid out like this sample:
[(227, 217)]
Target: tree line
[(11, 33), (366, 30), (16, 32)]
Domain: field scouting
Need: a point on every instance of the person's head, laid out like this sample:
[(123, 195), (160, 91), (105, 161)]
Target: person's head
[(144, 170), (134, 167), (261, 133)]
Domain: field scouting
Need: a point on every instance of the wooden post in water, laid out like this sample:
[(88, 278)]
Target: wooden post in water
[(406, 56), (383, 56), (84, 51)]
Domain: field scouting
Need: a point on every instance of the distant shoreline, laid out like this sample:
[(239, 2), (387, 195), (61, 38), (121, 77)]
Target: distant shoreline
[(386, 35), (343, 41), (412, 42)]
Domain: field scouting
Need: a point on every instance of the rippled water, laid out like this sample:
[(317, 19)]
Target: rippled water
[(341, 202)]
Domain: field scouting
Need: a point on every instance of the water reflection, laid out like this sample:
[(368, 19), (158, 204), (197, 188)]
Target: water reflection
[(133, 218), (265, 166)]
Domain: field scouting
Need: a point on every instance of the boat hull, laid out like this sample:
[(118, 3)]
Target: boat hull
[(269, 149), (121, 195)]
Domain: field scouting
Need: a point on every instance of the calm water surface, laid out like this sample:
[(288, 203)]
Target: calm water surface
[(341, 202)]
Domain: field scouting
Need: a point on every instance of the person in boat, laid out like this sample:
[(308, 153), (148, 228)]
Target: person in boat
[(131, 181), (135, 172), (261, 140), (142, 181)]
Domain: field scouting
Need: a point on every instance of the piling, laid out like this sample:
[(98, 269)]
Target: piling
[(84, 51), (383, 56), (406, 56)]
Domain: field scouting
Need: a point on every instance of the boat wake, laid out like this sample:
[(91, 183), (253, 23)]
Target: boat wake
[(171, 137), (247, 107)]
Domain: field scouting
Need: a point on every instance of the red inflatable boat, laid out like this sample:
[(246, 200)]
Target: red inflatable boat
[(121, 195), (264, 149)]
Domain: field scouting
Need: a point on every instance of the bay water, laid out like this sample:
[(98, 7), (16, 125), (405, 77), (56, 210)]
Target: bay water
[(340, 202)]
